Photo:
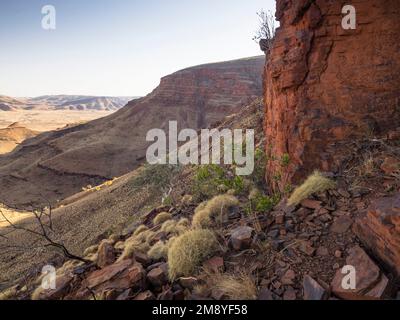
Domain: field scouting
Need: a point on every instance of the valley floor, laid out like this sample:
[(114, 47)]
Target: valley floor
[(45, 120)]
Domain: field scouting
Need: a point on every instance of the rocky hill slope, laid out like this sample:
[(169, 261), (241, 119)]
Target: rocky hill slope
[(113, 207), (218, 236), (58, 164)]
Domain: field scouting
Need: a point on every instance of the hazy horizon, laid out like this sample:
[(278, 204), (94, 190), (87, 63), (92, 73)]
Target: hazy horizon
[(118, 48)]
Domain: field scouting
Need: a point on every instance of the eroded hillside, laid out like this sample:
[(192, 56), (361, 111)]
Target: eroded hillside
[(58, 164)]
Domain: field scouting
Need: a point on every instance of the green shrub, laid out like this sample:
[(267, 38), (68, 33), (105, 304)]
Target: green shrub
[(260, 163), (285, 160)]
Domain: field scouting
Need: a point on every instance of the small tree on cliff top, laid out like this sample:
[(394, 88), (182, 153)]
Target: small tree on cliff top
[(266, 32)]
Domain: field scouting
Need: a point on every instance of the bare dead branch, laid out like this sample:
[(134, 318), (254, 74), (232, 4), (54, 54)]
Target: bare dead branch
[(265, 35), (39, 214)]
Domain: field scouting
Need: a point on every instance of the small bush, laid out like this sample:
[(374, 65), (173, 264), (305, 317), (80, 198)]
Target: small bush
[(217, 206), (161, 218), (235, 287), (189, 250), (285, 160), (260, 163), (155, 176), (168, 201), (207, 181), (315, 183), (266, 203)]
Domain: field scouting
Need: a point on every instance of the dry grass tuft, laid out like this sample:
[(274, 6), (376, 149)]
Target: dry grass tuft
[(254, 194), (187, 200), (171, 241), (315, 183), (189, 250), (133, 245), (8, 294), (158, 251), (145, 236), (215, 208), (120, 245), (36, 294), (202, 290), (149, 236), (91, 250), (169, 226), (182, 226), (161, 218), (140, 229), (235, 287)]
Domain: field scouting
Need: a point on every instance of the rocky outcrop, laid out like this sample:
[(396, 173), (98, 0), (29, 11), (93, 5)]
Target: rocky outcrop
[(58, 164), (370, 282), (326, 85), (379, 229)]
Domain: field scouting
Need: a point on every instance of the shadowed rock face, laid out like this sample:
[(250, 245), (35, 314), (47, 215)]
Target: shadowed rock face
[(58, 164), (327, 85), (379, 230)]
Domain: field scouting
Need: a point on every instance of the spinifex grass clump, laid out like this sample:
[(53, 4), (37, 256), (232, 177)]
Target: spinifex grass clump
[(235, 287), (161, 218), (315, 183), (189, 250), (215, 208), (158, 251)]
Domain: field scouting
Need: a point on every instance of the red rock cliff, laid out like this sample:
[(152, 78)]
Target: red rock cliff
[(325, 84)]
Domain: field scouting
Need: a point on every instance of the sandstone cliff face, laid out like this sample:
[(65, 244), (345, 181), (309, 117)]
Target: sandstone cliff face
[(326, 85), (58, 164)]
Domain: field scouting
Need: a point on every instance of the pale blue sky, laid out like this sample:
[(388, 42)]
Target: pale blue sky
[(118, 47)]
